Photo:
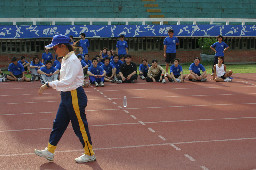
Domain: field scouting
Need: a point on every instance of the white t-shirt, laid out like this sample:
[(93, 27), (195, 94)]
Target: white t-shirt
[(220, 70)]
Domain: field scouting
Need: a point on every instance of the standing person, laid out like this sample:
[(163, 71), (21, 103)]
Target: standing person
[(17, 72), (195, 74), (176, 73), (156, 73), (121, 47), (84, 43), (47, 56), (220, 73), (143, 69), (219, 48), (170, 43), (73, 102), (128, 71)]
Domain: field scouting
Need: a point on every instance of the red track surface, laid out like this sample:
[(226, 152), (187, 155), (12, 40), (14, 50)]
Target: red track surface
[(165, 126)]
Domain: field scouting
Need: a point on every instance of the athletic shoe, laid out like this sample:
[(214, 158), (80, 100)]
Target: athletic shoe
[(85, 158), (133, 81), (163, 81), (227, 79), (101, 84), (178, 80), (113, 81), (19, 79), (142, 77), (37, 78), (203, 80), (119, 81), (45, 154), (42, 82), (96, 84)]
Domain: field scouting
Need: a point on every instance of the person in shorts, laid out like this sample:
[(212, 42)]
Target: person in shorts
[(176, 72), (195, 74), (156, 73), (17, 72), (220, 74)]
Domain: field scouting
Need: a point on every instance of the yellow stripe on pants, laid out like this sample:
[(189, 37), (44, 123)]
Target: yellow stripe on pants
[(88, 147)]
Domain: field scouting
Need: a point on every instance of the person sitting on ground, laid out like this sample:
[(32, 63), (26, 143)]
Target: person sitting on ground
[(122, 58), (220, 74), (24, 63), (48, 73), (195, 74), (117, 64), (84, 65), (99, 60), (103, 54), (110, 55), (17, 72), (128, 71), (2, 76), (56, 61), (156, 73), (176, 73), (143, 69), (96, 74), (46, 56), (110, 70), (34, 66)]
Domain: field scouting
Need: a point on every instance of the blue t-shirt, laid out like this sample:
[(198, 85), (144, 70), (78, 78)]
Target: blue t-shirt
[(47, 57), (117, 65), (55, 63), (121, 45), (100, 63), (219, 47), (84, 44), (25, 62), (196, 69), (104, 55), (39, 64), (83, 64), (175, 70), (96, 70), (171, 44), (16, 69), (89, 62), (58, 66), (108, 68), (143, 68), (48, 71)]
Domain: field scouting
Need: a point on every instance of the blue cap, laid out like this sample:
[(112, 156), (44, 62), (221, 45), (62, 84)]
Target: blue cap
[(58, 39)]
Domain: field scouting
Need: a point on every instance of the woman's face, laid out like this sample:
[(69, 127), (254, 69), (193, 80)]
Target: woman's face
[(154, 64), (37, 60)]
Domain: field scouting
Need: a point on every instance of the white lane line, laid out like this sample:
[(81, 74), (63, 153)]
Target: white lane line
[(154, 107), (202, 105), (26, 94), (97, 90), (205, 119), (151, 130), (199, 95), (4, 95), (101, 93), (139, 89), (226, 94), (91, 110), (180, 88), (137, 97), (222, 104), (111, 90), (12, 103), (93, 99), (27, 113), (50, 101), (249, 103), (161, 137), (120, 107), (176, 106), (230, 118), (20, 130), (252, 93), (212, 87), (117, 124), (45, 112), (105, 96), (133, 117), (126, 111), (172, 96), (114, 98), (110, 109), (142, 123), (204, 167), (114, 102), (17, 88), (9, 114), (109, 99), (133, 108), (30, 102), (46, 93), (189, 157), (175, 147)]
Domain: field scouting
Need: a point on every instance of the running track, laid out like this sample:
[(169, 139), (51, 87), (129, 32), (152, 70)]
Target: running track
[(165, 126)]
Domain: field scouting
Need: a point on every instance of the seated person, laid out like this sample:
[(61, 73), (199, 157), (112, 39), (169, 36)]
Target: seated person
[(103, 54), (176, 73), (17, 72), (87, 61), (117, 64), (156, 73), (220, 74), (96, 74), (48, 73), (143, 69), (195, 74), (84, 65), (46, 56), (2, 76), (128, 71), (24, 63), (99, 60), (110, 70), (56, 61), (110, 55), (122, 58), (34, 66)]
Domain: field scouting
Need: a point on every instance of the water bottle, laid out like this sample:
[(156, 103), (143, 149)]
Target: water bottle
[(125, 102)]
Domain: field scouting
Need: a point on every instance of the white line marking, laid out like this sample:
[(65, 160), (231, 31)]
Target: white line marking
[(212, 87), (151, 130), (154, 107), (20, 130), (101, 93), (93, 99), (4, 95), (142, 123), (137, 97), (200, 105), (12, 103), (180, 88), (222, 104), (114, 102), (46, 93), (229, 118), (176, 106), (133, 108), (30, 102), (110, 109), (204, 168), (105, 96), (114, 98), (8, 114), (139, 89), (97, 90), (133, 117), (26, 94), (50, 101), (249, 103), (111, 90), (175, 147), (161, 137), (205, 119), (172, 96), (120, 107), (189, 157), (140, 83), (45, 112), (109, 99), (27, 113), (91, 110), (126, 111), (199, 95), (226, 94), (17, 88), (252, 93)]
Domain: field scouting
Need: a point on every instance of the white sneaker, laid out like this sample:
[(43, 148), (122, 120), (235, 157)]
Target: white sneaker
[(119, 81), (101, 84), (45, 154), (85, 158), (178, 80), (227, 79), (142, 77), (96, 84), (163, 81)]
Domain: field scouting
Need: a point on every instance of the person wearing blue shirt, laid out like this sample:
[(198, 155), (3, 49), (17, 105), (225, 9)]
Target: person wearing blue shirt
[(195, 74), (176, 72), (71, 40), (24, 63), (48, 73), (96, 74), (84, 65), (34, 66), (87, 61), (46, 56), (170, 43), (117, 64), (143, 69), (121, 46), (219, 48), (99, 60), (17, 72), (84, 43), (110, 70), (103, 54)]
